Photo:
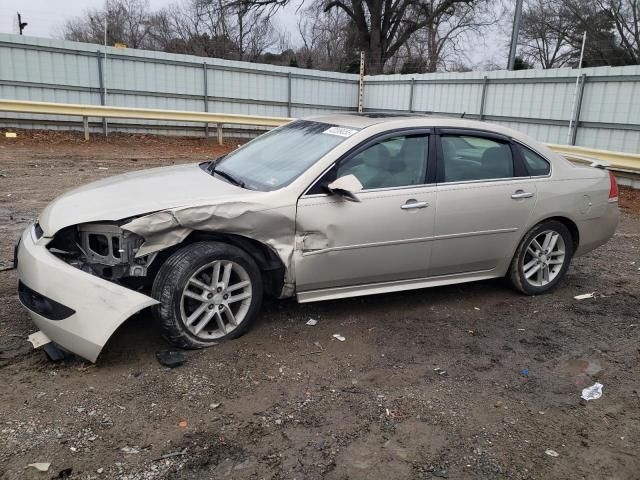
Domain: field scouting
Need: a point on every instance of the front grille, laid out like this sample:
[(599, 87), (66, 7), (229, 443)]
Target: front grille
[(38, 303)]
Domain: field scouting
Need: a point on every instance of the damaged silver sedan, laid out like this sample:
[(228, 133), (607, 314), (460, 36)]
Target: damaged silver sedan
[(323, 208)]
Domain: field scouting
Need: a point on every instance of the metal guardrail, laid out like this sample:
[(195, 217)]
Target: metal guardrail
[(625, 165), (86, 111)]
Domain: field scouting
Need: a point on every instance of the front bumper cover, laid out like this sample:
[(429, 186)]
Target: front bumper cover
[(99, 306)]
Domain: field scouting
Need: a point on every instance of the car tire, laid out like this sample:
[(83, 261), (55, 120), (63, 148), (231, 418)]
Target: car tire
[(532, 271), (194, 310)]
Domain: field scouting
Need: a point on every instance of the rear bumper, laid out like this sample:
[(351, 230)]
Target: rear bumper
[(92, 308), (597, 231)]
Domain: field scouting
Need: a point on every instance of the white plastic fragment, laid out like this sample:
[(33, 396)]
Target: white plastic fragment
[(337, 336), (129, 450), (584, 296), (552, 453), (38, 339), (311, 322), (40, 466), (593, 392)]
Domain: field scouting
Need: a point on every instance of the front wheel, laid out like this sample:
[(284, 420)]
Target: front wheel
[(208, 292), (542, 258)]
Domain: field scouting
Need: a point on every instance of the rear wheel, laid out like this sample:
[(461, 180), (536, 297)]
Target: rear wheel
[(208, 292), (542, 258)]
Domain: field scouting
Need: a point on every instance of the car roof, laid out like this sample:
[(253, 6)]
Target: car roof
[(413, 120), (409, 120)]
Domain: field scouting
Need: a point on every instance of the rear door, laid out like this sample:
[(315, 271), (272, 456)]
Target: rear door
[(484, 200)]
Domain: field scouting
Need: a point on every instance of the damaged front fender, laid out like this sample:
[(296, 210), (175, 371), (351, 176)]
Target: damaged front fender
[(274, 227)]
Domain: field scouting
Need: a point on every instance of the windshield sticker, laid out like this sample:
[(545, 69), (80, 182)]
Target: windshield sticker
[(340, 131)]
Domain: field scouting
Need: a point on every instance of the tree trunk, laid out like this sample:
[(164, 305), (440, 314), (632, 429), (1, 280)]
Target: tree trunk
[(374, 53)]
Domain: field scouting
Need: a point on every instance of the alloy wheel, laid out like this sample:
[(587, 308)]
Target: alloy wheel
[(216, 299), (543, 258)]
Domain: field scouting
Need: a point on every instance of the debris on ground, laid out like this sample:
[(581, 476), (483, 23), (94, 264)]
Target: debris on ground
[(64, 473), (593, 392), (337, 336), (10, 134), (54, 353), (40, 466), (38, 339), (524, 372), (440, 371), (130, 450), (584, 296), (213, 406), (178, 453), (552, 453), (311, 322), (171, 358), (183, 424)]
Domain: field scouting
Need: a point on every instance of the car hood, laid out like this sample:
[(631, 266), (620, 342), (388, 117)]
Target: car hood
[(136, 193)]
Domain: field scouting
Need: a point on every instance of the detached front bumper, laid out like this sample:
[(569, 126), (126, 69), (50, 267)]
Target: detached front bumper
[(75, 309)]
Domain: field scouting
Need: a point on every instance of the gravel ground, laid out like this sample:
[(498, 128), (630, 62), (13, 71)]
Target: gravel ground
[(289, 401)]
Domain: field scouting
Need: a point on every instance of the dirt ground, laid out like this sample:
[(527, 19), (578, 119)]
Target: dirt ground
[(287, 401)]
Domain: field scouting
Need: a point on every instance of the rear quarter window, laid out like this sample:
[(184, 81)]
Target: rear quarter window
[(536, 164)]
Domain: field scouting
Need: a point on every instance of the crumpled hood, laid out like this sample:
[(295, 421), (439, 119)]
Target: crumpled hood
[(136, 193)]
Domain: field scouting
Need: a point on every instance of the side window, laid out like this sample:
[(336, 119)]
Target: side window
[(393, 162), (535, 163), (468, 158)]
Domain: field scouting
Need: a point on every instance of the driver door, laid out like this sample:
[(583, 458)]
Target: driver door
[(385, 237)]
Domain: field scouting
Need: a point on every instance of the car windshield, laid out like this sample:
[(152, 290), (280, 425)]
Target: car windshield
[(278, 157)]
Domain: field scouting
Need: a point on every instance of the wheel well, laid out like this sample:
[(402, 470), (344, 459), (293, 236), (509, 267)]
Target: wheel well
[(271, 266), (573, 229)]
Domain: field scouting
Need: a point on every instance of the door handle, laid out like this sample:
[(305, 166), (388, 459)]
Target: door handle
[(411, 204), (518, 194)]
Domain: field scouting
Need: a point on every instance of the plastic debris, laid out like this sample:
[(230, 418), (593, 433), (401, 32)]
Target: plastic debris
[(40, 466), (524, 372), (584, 296), (440, 371), (10, 134), (177, 453), (213, 406), (593, 392), (552, 453), (129, 450), (337, 336), (311, 322), (171, 358), (53, 352), (182, 424), (38, 339)]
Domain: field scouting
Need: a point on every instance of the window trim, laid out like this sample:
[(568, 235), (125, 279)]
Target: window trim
[(519, 146), (431, 160), (520, 170)]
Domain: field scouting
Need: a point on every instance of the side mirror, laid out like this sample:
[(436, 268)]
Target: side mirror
[(346, 187)]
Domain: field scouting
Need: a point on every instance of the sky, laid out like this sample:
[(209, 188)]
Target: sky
[(45, 18)]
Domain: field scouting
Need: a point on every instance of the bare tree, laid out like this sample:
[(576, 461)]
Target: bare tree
[(544, 36), (553, 31), (128, 22), (440, 45), (328, 39)]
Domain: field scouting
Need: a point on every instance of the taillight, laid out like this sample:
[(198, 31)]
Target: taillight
[(613, 189)]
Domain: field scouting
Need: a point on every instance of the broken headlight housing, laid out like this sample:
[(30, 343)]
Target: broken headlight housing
[(103, 249)]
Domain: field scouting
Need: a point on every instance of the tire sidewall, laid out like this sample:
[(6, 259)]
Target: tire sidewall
[(517, 265)]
